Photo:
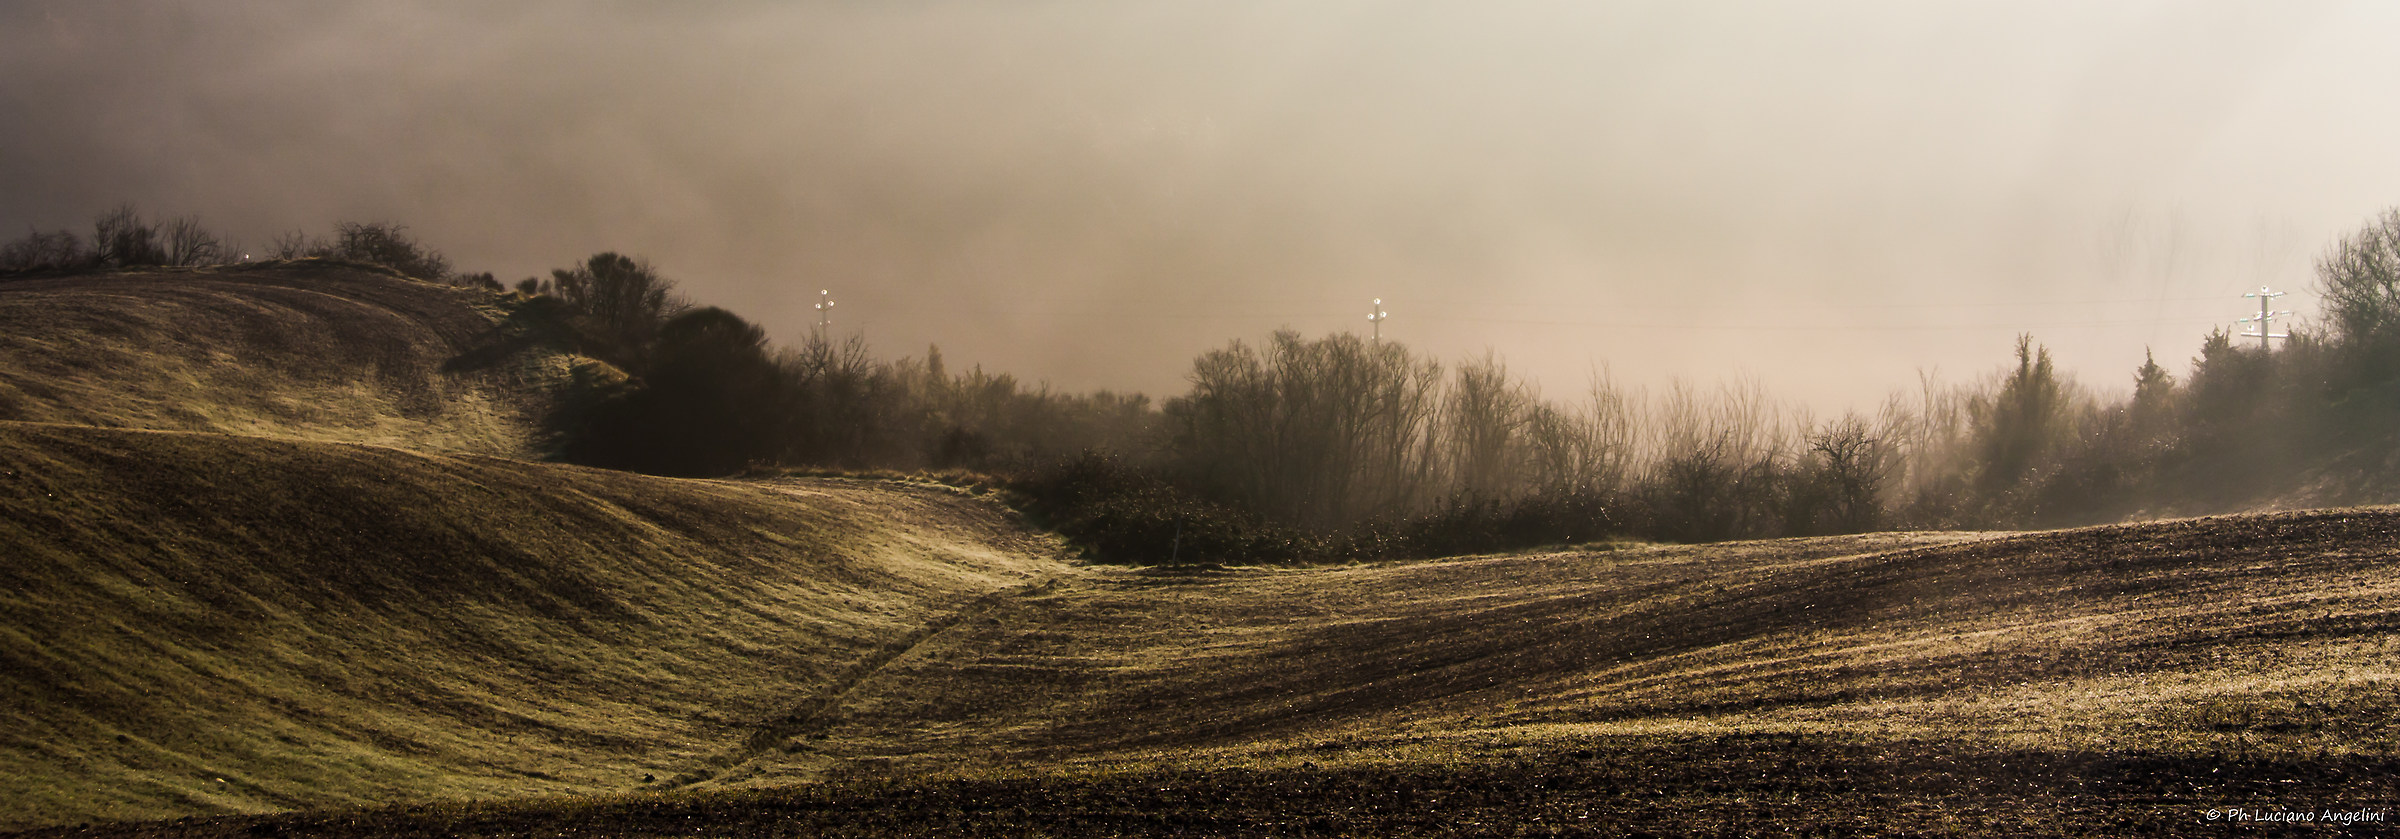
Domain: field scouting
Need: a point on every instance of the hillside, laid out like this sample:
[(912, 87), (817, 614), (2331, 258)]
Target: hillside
[(249, 565), (197, 622), (2111, 678), (2108, 681), (305, 350), (270, 539)]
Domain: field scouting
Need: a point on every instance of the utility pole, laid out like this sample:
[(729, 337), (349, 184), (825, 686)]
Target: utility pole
[(1376, 317), (824, 308), (2265, 319)]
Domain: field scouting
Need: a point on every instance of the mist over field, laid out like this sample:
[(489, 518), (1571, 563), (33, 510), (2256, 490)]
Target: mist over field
[(1815, 418), (1830, 197)]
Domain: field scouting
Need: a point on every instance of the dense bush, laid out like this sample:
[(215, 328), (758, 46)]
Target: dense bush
[(706, 404), (1121, 513), (621, 303), (388, 245)]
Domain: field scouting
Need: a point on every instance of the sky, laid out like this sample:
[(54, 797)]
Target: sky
[(1833, 199)]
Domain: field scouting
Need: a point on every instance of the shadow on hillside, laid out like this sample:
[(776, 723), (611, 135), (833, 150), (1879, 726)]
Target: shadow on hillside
[(530, 324)]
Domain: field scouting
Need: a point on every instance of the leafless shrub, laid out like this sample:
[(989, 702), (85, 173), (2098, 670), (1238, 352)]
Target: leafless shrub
[(389, 245), (188, 243), (121, 239), (1586, 448), (1716, 464), (297, 244), (1848, 464), (56, 250)]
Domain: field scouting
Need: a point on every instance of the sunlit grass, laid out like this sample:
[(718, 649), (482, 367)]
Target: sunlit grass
[(304, 351), (200, 622), (257, 612)]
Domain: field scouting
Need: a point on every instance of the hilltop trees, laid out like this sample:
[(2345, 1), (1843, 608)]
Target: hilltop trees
[(188, 243), (56, 250), (621, 300), (388, 245), (706, 393), (122, 239)]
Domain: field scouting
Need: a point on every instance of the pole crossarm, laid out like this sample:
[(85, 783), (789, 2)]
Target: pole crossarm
[(2265, 319)]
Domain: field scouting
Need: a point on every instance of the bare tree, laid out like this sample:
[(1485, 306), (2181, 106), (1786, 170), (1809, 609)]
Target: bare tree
[(1587, 448), (1714, 463), (120, 238), (2358, 280), (624, 299), (296, 244), (1852, 459), (188, 243), (390, 246), (1483, 423), (55, 250), (844, 404), (1319, 433)]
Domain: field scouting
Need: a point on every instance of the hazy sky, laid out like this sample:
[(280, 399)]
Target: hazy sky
[(1828, 196)]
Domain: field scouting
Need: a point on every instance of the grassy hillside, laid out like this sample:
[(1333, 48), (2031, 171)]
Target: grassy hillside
[(305, 350), (2111, 681), (195, 622), (248, 610)]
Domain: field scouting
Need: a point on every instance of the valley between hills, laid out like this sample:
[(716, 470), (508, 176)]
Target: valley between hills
[(281, 558)]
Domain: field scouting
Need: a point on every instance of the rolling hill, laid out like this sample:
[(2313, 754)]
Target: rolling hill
[(2106, 681), (304, 350), (200, 621), (424, 640)]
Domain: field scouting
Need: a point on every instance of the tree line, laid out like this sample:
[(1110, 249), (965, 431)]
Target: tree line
[(1339, 447), (708, 394), (122, 238)]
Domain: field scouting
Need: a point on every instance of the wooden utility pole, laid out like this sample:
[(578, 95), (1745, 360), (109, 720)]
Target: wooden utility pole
[(1376, 317)]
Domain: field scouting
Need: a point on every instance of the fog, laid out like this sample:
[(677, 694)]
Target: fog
[(1829, 197)]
